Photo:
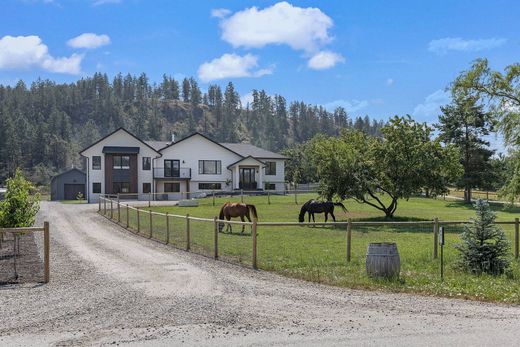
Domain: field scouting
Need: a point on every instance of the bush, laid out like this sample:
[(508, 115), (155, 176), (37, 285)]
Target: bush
[(484, 247), (19, 207)]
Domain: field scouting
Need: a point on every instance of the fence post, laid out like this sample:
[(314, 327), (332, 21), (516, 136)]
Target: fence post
[(242, 195), (215, 231), (188, 232), (253, 232), (167, 229), (118, 209), (295, 196), (127, 216), (349, 239), (138, 221), (516, 237), (435, 237), (46, 250), (268, 197), (149, 199), (104, 206), (111, 210), (99, 205), (151, 227), (213, 194)]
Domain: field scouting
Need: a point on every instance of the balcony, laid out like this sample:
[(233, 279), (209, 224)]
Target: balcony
[(181, 173)]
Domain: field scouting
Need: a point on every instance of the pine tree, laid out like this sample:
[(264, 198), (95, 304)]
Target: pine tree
[(186, 90), (484, 247)]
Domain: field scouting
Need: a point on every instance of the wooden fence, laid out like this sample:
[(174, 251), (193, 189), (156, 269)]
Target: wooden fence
[(46, 244), (108, 206)]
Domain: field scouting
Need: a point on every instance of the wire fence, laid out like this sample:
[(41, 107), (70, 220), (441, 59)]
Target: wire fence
[(313, 248)]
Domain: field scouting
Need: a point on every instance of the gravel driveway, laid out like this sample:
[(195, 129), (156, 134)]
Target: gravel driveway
[(110, 286)]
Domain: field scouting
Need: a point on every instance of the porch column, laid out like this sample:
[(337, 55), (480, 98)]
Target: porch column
[(260, 183), (236, 177)]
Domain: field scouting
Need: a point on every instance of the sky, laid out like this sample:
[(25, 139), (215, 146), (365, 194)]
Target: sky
[(375, 58)]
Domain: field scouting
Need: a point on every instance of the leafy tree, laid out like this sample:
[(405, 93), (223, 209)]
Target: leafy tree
[(484, 247), (186, 90), (399, 166), (19, 207), (464, 124), (299, 168)]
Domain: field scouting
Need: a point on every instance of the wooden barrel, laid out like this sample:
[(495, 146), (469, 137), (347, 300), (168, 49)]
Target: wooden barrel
[(383, 260)]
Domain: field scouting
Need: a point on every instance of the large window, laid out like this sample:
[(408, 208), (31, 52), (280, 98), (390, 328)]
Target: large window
[(96, 188), (174, 187), (121, 162), (147, 188), (270, 186), (270, 168), (147, 163), (171, 168), (210, 186), (121, 187), (96, 162), (210, 167)]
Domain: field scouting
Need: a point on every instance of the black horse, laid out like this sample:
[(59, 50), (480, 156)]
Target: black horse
[(314, 206)]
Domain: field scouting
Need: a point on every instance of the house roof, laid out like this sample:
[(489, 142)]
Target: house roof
[(247, 149), (241, 160), (120, 150), (157, 145), (207, 138), (115, 131), (68, 171)]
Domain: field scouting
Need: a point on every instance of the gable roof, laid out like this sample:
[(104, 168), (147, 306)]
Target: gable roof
[(245, 158), (247, 149), (115, 131), (203, 136), (68, 171), (157, 145)]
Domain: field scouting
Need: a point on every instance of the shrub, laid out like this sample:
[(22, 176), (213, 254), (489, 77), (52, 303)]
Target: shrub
[(484, 247), (19, 207)]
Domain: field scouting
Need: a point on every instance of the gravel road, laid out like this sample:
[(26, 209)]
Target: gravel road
[(110, 286)]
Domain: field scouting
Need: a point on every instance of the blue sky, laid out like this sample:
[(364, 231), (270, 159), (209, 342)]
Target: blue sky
[(375, 57)]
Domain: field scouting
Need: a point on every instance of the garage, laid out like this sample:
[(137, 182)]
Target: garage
[(68, 185)]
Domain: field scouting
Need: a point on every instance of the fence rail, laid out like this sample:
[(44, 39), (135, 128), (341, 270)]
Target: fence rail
[(46, 244), (145, 222)]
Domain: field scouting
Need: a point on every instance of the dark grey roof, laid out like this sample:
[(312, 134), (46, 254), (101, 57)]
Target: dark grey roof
[(66, 172), (120, 150), (247, 149), (157, 145)]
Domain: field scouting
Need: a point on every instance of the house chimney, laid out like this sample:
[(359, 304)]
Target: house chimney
[(173, 137)]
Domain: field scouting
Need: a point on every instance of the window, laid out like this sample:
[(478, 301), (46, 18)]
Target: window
[(147, 188), (210, 186), (121, 162), (147, 163), (210, 167), (96, 188), (171, 168), (96, 162), (270, 168), (174, 187), (270, 186), (121, 187)]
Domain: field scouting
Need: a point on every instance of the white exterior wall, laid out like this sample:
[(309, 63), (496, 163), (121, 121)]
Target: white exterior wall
[(195, 148), (279, 178), (123, 139)]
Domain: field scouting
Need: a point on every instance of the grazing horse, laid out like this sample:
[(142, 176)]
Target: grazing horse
[(235, 209), (314, 206)]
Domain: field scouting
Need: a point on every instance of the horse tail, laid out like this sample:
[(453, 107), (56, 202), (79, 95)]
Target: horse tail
[(221, 215), (252, 208), (341, 205)]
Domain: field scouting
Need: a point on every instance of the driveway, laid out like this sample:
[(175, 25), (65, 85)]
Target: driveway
[(110, 286)]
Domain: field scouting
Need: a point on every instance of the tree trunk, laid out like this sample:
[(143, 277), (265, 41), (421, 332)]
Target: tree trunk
[(467, 195)]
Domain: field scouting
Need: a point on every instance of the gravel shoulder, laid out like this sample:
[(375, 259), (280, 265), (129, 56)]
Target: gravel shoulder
[(111, 286)]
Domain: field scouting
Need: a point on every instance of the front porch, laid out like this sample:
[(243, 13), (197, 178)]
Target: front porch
[(247, 174)]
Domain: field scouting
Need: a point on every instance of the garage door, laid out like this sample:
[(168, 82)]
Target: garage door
[(72, 191)]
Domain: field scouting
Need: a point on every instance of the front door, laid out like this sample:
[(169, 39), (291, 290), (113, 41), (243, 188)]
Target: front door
[(247, 178), (171, 168)]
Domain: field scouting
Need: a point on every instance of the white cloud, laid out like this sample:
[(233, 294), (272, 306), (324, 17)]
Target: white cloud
[(300, 28), (105, 2), (220, 12), (442, 46), (390, 81), (430, 108), (349, 105), (246, 99), (324, 60), (89, 41), (23, 52), (231, 65)]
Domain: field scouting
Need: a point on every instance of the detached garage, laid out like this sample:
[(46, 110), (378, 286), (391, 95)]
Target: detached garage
[(67, 185)]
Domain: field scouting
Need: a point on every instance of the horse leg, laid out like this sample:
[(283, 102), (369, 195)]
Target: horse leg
[(333, 217), (229, 228), (249, 219), (243, 226), (326, 216)]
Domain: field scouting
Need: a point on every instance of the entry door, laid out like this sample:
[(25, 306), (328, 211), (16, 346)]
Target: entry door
[(247, 178), (71, 191), (172, 168)]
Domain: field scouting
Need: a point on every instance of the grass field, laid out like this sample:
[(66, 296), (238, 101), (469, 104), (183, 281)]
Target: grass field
[(319, 253)]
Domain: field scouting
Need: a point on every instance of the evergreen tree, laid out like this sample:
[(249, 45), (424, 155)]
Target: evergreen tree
[(186, 90)]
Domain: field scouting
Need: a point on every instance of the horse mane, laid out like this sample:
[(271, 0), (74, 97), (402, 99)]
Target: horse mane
[(252, 208), (340, 204)]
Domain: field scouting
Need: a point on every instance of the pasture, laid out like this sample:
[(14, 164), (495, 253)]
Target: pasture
[(319, 253)]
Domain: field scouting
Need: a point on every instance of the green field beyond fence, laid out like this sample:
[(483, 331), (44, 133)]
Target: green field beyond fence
[(319, 253)]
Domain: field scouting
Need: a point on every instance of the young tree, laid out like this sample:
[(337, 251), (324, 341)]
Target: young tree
[(464, 124), (484, 247), (19, 207)]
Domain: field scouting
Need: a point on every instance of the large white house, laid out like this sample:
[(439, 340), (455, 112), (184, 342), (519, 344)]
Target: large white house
[(122, 163)]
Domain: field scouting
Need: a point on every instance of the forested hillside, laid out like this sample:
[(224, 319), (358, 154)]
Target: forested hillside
[(43, 126)]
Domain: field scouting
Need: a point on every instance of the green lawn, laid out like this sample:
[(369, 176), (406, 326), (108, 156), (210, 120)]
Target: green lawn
[(319, 253)]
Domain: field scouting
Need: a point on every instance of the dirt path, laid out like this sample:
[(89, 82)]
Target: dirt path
[(109, 285)]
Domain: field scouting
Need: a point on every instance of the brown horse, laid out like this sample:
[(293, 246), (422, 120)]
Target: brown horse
[(235, 209)]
